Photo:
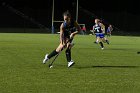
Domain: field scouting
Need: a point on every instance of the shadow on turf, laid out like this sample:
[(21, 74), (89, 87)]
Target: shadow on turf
[(108, 67), (118, 49)]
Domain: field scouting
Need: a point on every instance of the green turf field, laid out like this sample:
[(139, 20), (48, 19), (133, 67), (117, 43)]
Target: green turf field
[(116, 69)]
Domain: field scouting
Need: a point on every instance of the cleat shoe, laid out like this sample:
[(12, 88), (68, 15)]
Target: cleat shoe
[(102, 48), (45, 59), (71, 63)]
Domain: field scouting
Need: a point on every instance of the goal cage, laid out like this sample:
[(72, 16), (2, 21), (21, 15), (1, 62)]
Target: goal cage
[(56, 22)]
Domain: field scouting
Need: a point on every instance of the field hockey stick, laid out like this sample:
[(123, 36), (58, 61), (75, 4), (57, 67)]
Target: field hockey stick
[(50, 65)]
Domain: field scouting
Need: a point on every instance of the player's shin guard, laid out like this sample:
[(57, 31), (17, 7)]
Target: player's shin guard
[(101, 44), (68, 54), (53, 53)]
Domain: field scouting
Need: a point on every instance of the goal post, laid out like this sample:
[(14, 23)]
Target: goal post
[(59, 21)]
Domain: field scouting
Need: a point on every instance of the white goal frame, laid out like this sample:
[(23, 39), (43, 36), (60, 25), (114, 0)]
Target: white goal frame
[(58, 21)]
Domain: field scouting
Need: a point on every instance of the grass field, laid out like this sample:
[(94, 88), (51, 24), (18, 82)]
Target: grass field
[(116, 69)]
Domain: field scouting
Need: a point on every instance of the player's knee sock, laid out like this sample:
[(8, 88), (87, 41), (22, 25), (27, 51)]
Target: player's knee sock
[(101, 44), (68, 55), (107, 41), (53, 53)]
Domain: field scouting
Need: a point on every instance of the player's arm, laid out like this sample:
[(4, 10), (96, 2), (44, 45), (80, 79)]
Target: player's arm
[(102, 27), (78, 29), (93, 28), (111, 29), (62, 33)]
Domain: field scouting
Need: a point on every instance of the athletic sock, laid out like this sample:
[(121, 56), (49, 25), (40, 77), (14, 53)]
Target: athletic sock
[(107, 41), (53, 53), (68, 55), (101, 44)]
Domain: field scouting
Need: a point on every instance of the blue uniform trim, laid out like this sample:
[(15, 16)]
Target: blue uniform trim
[(101, 35), (69, 28), (108, 30)]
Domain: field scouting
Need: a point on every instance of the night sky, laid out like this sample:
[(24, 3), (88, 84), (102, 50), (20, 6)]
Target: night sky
[(131, 6), (125, 10)]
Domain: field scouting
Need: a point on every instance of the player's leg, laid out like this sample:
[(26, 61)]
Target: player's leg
[(68, 55), (96, 42), (108, 34), (71, 43), (101, 43), (53, 53), (106, 40)]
